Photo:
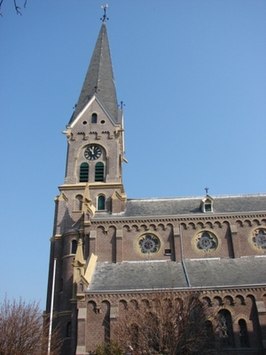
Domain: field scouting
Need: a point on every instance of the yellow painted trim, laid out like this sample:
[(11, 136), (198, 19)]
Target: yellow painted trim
[(90, 268)]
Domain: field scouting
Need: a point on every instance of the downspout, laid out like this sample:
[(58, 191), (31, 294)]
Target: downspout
[(182, 260), (51, 311)]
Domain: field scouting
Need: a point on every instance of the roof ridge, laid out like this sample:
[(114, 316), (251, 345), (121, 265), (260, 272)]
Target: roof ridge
[(193, 197)]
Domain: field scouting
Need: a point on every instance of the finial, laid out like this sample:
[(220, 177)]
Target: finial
[(122, 105), (104, 18), (207, 190)]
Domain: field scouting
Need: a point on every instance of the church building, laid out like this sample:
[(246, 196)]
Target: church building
[(108, 250)]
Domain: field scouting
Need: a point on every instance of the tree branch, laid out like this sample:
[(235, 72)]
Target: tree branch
[(1, 2), (17, 8)]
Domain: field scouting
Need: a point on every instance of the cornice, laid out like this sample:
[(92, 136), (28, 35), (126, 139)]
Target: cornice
[(176, 219), (202, 291), (92, 186), (56, 237)]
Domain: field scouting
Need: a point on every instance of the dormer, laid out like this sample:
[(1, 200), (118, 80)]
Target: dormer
[(207, 204)]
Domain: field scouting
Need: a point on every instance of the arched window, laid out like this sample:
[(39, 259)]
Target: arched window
[(74, 245), (226, 328), (94, 118), (78, 203), (101, 203), (84, 172), (99, 172), (243, 333)]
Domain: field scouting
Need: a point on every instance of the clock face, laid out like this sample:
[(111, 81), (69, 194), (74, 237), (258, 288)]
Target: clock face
[(93, 152)]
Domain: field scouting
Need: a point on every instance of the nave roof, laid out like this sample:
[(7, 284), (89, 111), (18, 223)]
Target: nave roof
[(197, 273)]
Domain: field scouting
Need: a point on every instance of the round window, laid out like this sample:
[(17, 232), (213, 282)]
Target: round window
[(259, 238), (206, 241), (149, 243)]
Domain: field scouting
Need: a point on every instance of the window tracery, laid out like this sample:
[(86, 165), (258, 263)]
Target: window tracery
[(259, 238), (206, 241), (149, 243)]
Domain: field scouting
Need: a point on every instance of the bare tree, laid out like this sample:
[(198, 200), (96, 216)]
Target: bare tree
[(17, 7), (111, 348), (22, 330), (168, 325)]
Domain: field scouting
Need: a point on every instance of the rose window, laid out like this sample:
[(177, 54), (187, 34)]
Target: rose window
[(206, 241), (149, 243), (259, 238)]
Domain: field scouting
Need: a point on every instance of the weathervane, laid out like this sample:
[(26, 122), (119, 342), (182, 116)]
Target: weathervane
[(207, 190), (104, 18)]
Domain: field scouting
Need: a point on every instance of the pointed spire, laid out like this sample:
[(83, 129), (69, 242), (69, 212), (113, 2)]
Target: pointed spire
[(87, 206), (79, 257), (99, 79)]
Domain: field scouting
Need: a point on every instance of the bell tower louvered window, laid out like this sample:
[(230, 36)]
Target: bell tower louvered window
[(84, 172), (99, 172)]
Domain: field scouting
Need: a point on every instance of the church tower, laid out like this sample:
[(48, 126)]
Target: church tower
[(111, 255), (92, 187), (95, 135)]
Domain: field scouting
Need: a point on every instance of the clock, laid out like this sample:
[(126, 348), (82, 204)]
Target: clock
[(93, 152)]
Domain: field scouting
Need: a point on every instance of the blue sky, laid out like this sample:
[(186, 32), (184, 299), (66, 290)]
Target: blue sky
[(192, 76)]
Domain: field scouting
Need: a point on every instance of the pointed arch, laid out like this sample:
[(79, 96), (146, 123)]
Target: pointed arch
[(101, 203), (226, 328), (78, 202), (99, 171), (84, 172)]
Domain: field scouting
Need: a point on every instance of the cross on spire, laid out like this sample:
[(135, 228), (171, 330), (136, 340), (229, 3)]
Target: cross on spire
[(104, 18), (207, 190)]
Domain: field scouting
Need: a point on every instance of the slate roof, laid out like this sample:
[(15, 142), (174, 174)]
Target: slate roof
[(99, 80), (205, 273), (192, 205)]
